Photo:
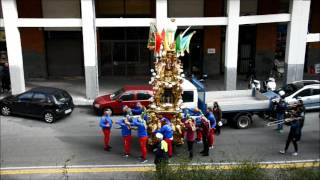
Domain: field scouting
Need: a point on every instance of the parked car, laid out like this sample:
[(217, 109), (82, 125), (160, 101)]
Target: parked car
[(44, 102), (309, 94), (295, 86), (128, 95)]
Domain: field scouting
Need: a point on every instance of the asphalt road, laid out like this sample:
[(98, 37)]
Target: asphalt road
[(78, 140)]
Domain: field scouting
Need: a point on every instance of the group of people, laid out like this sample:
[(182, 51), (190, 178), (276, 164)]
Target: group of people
[(197, 127), (202, 128), (126, 124)]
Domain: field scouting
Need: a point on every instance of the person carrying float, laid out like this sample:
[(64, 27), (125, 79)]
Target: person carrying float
[(143, 137), (167, 132), (126, 134)]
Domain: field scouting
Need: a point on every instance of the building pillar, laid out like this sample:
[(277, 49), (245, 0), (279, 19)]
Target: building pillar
[(231, 47), (14, 50), (161, 14), (296, 40), (90, 48)]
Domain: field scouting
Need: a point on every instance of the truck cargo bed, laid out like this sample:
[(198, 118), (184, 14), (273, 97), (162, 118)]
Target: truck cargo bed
[(238, 100)]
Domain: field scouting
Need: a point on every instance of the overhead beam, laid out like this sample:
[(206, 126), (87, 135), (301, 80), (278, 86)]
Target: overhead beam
[(270, 18)]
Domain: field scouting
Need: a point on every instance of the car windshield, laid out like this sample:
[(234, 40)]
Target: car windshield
[(117, 93), (289, 89), (61, 96)]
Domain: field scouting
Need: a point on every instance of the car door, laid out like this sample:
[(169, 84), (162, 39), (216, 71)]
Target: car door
[(38, 104), (315, 98), (144, 98), (21, 105), (304, 95)]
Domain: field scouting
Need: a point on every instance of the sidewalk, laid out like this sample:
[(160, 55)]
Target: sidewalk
[(76, 86)]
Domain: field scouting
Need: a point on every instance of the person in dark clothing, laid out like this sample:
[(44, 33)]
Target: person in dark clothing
[(280, 110), (190, 130), (205, 127), (294, 134), (301, 110), (161, 154), (218, 115), (5, 78)]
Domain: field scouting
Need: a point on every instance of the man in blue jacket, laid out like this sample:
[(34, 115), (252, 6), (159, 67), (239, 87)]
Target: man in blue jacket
[(167, 132), (106, 125), (138, 109), (126, 135), (143, 137)]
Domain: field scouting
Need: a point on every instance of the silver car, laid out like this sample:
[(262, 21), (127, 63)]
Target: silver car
[(309, 94)]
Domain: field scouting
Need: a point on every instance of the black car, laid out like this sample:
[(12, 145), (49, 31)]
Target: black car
[(44, 102)]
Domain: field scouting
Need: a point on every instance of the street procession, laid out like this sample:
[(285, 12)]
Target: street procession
[(165, 124)]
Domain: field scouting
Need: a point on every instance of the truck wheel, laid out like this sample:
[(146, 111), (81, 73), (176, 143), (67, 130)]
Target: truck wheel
[(243, 121)]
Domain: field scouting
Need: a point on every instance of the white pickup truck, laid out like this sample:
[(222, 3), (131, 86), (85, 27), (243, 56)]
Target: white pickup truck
[(237, 106)]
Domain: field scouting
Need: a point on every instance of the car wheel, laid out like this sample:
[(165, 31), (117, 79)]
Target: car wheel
[(5, 110), (243, 122), (48, 117)]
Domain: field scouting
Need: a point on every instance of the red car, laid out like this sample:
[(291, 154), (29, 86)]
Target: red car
[(128, 95)]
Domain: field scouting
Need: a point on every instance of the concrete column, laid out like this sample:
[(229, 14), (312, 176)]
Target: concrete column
[(90, 48), (161, 14), (14, 50), (296, 40), (231, 47)]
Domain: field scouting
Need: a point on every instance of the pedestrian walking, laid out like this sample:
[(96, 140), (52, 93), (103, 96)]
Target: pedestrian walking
[(126, 135), (161, 159), (218, 116), (190, 130), (212, 120), (143, 137), (205, 127), (106, 125), (294, 134)]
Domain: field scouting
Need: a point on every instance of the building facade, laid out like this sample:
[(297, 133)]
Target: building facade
[(96, 38)]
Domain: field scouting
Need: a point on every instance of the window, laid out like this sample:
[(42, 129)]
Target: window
[(303, 93), (187, 96), (316, 92), (25, 96), (127, 97), (38, 97), (143, 96)]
